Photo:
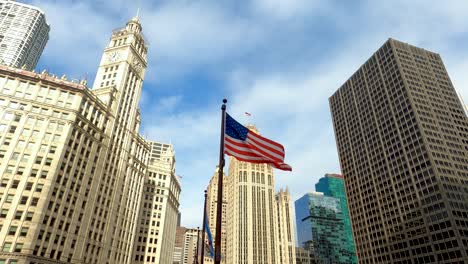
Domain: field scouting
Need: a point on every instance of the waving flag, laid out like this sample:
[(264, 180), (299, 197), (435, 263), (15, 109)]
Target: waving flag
[(246, 145), (209, 243)]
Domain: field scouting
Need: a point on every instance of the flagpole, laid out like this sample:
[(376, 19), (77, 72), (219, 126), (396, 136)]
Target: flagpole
[(203, 233), (219, 201)]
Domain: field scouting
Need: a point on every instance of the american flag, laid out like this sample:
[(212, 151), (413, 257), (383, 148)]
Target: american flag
[(246, 145)]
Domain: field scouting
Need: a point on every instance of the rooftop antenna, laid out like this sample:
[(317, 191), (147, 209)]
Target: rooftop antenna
[(138, 9)]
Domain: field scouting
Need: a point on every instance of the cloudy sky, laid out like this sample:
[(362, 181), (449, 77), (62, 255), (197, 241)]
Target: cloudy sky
[(277, 59)]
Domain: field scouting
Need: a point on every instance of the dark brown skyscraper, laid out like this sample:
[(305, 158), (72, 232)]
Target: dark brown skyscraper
[(402, 137)]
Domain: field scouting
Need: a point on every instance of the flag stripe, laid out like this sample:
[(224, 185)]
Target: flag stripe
[(246, 149), (247, 158), (241, 147), (250, 159), (263, 151), (265, 145), (272, 143), (284, 166)]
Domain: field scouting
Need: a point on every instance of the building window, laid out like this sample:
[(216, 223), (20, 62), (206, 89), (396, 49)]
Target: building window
[(24, 231), (39, 187), (6, 247), (3, 213), (34, 201), (18, 247), (9, 198), (29, 216), (12, 230), (24, 200), (18, 215)]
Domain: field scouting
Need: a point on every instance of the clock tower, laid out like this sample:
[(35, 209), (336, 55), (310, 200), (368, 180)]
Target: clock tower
[(118, 85), (122, 68)]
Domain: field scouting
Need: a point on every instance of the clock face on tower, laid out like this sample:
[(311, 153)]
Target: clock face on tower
[(113, 56)]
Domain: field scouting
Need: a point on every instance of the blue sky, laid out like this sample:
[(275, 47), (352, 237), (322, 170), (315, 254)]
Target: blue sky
[(279, 60)]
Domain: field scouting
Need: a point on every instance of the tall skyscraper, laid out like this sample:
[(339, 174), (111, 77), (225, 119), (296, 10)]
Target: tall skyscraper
[(211, 207), (72, 164), (252, 217), (402, 138), (286, 231), (333, 185), (320, 225), (24, 33), (159, 208)]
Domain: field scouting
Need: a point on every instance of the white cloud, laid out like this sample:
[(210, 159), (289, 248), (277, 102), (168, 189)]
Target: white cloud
[(281, 9), (77, 36), (458, 73)]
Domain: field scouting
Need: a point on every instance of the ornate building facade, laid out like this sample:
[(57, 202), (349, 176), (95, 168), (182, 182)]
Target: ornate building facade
[(73, 165), (252, 220), (286, 230), (159, 208), (211, 211)]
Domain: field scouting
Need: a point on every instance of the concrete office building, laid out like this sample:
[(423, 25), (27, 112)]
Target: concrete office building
[(303, 256), (211, 207), (159, 208), (402, 138), (191, 237), (158, 149), (252, 229), (24, 33), (73, 165), (179, 245), (252, 217), (286, 230)]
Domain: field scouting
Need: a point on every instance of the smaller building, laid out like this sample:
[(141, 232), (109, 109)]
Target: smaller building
[(159, 210), (185, 247), (320, 221), (179, 245), (302, 256), (287, 253), (211, 211), (332, 185), (189, 252)]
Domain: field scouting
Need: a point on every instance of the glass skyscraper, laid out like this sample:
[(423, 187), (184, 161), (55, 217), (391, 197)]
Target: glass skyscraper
[(333, 185), (320, 221)]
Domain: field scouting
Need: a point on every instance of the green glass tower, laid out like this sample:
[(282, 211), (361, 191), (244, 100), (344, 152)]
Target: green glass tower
[(319, 223), (333, 185)]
